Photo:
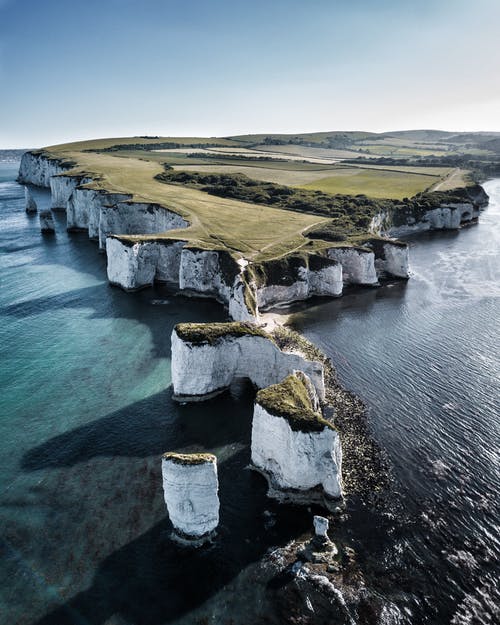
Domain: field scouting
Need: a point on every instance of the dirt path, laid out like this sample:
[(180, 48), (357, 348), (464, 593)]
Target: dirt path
[(453, 180)]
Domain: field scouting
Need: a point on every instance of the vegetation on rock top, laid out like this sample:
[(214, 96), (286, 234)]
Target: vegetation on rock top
[(290, 400), (211, 333), (189, 459)]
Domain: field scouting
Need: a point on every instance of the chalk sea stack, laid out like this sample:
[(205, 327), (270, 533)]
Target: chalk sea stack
[(296, 449), (47, 222), (31, 206), (190, 486)]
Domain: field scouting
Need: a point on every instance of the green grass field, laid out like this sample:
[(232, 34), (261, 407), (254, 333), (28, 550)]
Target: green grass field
[(257, 230), (254, 231), (374, 183)]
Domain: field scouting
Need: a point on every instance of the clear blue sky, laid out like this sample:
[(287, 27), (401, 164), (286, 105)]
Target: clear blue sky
[(72, 69)]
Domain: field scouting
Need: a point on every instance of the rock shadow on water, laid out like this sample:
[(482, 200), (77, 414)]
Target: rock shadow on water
[(109, 302), (145, 428), (151, 580)]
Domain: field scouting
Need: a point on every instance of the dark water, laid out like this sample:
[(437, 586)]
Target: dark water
[(425, 358), (85, 413)]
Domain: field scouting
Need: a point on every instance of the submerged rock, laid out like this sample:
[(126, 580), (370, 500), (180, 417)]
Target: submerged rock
[(47, 221), (31, 206), (190, 487)]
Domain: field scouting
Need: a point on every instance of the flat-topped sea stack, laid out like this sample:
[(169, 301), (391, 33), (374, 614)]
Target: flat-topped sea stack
[(30, 203), (293, 445), (47, 222), (190, 486), (207, 357)]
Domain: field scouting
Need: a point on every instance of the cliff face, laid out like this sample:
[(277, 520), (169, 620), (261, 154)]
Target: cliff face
[(190, 487), (117, 216), (294, 278), (62, 187), (37, 169), (204, 368), (448, 211), (295, 448), (296, 461), (207, 273), (391, 258), (358, 265)]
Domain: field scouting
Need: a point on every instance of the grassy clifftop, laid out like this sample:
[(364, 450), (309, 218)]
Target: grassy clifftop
[(260, 196)]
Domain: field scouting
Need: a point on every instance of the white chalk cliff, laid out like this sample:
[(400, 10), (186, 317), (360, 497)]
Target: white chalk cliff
[(392, 260), (203, 364), (358, 265), (295, 448), (449, 215), (190, 487), (297, 278)]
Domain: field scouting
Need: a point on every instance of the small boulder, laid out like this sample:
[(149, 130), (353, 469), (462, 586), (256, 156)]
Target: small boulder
[(321, 525)]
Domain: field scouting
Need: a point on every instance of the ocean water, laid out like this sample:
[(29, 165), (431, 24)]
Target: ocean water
[(425, 357), (85, 413)]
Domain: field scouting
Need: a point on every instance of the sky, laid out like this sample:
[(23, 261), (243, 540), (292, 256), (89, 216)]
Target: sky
[(77, 69)]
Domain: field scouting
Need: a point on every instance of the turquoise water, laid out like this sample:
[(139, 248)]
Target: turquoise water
[(86, 412)]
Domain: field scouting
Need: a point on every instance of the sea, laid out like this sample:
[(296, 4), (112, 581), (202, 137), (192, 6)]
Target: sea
[(86, 412)]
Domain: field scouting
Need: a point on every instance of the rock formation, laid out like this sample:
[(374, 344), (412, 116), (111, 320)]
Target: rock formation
[(207, 357), (47, 222), (190, 487), (297, 450), (450, 211), (321, 525), (31, 206), (293, 278), (358, 265)]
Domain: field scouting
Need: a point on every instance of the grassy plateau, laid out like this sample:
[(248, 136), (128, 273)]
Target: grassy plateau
[(267, 192)]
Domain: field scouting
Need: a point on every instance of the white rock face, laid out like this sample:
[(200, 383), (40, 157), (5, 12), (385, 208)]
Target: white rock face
[(324, 281), (196, 272), (47, 221), (238, 309), (127, 217), (358, 266), (84, 207), (31, 206), (393, 261), (446, 217), (37, 169), (137, 266), (202, 369), (191, 495), (321, 525), (294, 459), (200, 272), (62, 187), (131, 267)]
